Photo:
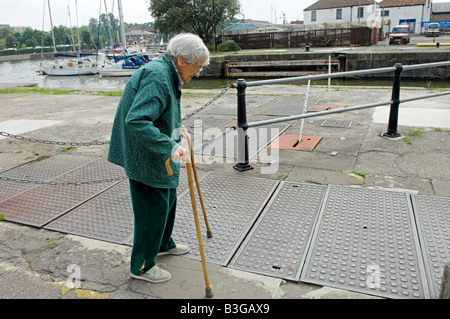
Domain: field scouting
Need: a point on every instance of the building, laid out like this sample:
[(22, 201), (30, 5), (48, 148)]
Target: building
[(440, 11), (339, 13), (411, 12), (250, 26), (141, 35)]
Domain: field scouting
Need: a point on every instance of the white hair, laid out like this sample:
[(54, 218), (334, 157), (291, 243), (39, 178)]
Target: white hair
[(190, 46)]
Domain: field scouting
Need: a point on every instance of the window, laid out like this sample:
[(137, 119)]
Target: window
[(361, 12), (385, 13), (338, 14), (313, 15)]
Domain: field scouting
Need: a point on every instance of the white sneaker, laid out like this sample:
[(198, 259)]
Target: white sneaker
[(154, 275), (178, 250)]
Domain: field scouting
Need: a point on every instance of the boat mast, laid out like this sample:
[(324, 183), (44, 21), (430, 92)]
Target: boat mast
[(122, 26), (78, 27), (51, 25)]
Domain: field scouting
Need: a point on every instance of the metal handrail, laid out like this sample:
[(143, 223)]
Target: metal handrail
[(347, 109), (242, 124)]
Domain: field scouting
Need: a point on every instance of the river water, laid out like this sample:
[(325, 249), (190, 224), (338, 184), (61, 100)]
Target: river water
[(26, 72)]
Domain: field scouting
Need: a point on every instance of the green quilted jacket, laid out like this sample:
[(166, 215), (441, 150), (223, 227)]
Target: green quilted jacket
[(146, 129)]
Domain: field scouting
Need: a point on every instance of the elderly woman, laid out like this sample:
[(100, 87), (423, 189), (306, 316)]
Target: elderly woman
[(146, 132)]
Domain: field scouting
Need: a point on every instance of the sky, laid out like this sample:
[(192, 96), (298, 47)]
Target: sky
[(30, 12)]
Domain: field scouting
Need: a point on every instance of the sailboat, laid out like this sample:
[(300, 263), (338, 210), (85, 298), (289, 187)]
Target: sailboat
[(125, 65), (68, 64)]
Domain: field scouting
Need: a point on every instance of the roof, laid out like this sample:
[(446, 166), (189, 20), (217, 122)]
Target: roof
[(441, 7), (401, 3), (330, 4), (138, 32)]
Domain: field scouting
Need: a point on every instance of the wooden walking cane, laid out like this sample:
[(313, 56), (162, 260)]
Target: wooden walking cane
[(190, 166)]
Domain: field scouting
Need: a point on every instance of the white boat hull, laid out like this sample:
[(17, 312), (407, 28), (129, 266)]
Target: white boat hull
[(68, 68)]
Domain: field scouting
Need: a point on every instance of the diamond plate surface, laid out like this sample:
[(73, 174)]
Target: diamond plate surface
[(11, 160), (289, 106), (337, 123), (365, 240), (42, 204), (277, 244), (230, 108), (43, 170), (232, 203), (108, 216), (225, 145), (433, 223)]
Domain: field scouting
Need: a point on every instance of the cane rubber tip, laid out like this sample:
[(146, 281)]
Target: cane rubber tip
[(209, 293), (209, 234)]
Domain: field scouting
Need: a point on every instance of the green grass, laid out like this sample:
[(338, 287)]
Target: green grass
[(414, 133), (58, 92)]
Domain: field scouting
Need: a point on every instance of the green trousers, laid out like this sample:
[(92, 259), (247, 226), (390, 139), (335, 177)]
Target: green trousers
[(154, 218)]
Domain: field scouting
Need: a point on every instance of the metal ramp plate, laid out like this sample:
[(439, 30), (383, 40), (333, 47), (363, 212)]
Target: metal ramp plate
[(230, 108), (277, 244), (289, 106), (365, 240), (225, 145), (233, 203), (108, 216), (43, 170), (56, 200), (433, 220)]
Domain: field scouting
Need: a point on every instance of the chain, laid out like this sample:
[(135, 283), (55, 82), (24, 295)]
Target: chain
[(35, 140), (26, 181), (207, 104)]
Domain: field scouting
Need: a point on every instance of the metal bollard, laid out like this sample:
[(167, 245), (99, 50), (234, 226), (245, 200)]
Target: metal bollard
[(393, 114), (243, 163)]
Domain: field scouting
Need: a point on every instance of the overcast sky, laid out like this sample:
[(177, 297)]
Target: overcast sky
[(30, 12)]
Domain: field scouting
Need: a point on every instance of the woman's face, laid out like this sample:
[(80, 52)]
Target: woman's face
[(188, 70)]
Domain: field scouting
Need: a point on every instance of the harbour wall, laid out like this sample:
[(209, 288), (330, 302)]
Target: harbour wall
[(348, 61)]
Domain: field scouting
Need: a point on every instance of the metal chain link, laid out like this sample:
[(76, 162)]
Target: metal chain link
[(207, 104), (34, 140), (26, 181), (42, 141)]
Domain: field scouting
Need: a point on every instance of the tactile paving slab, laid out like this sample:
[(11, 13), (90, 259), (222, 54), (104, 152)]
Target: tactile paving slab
[(433, 221), (289, 106), (44, 203), (41, 171), (277, 244), (226, 144), (233, 203), (366, 241)]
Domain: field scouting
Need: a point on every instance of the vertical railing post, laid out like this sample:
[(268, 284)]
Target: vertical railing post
[(243, 163), (393, 114)]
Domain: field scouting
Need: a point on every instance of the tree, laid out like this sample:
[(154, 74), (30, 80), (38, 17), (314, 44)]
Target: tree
[(11, 41), (195, 16)]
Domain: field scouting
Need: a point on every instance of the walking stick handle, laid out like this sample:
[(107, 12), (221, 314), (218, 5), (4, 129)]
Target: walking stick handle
[(168, 167)]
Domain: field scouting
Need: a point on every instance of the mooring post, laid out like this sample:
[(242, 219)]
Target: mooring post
[(393, 114), (243, 163)]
